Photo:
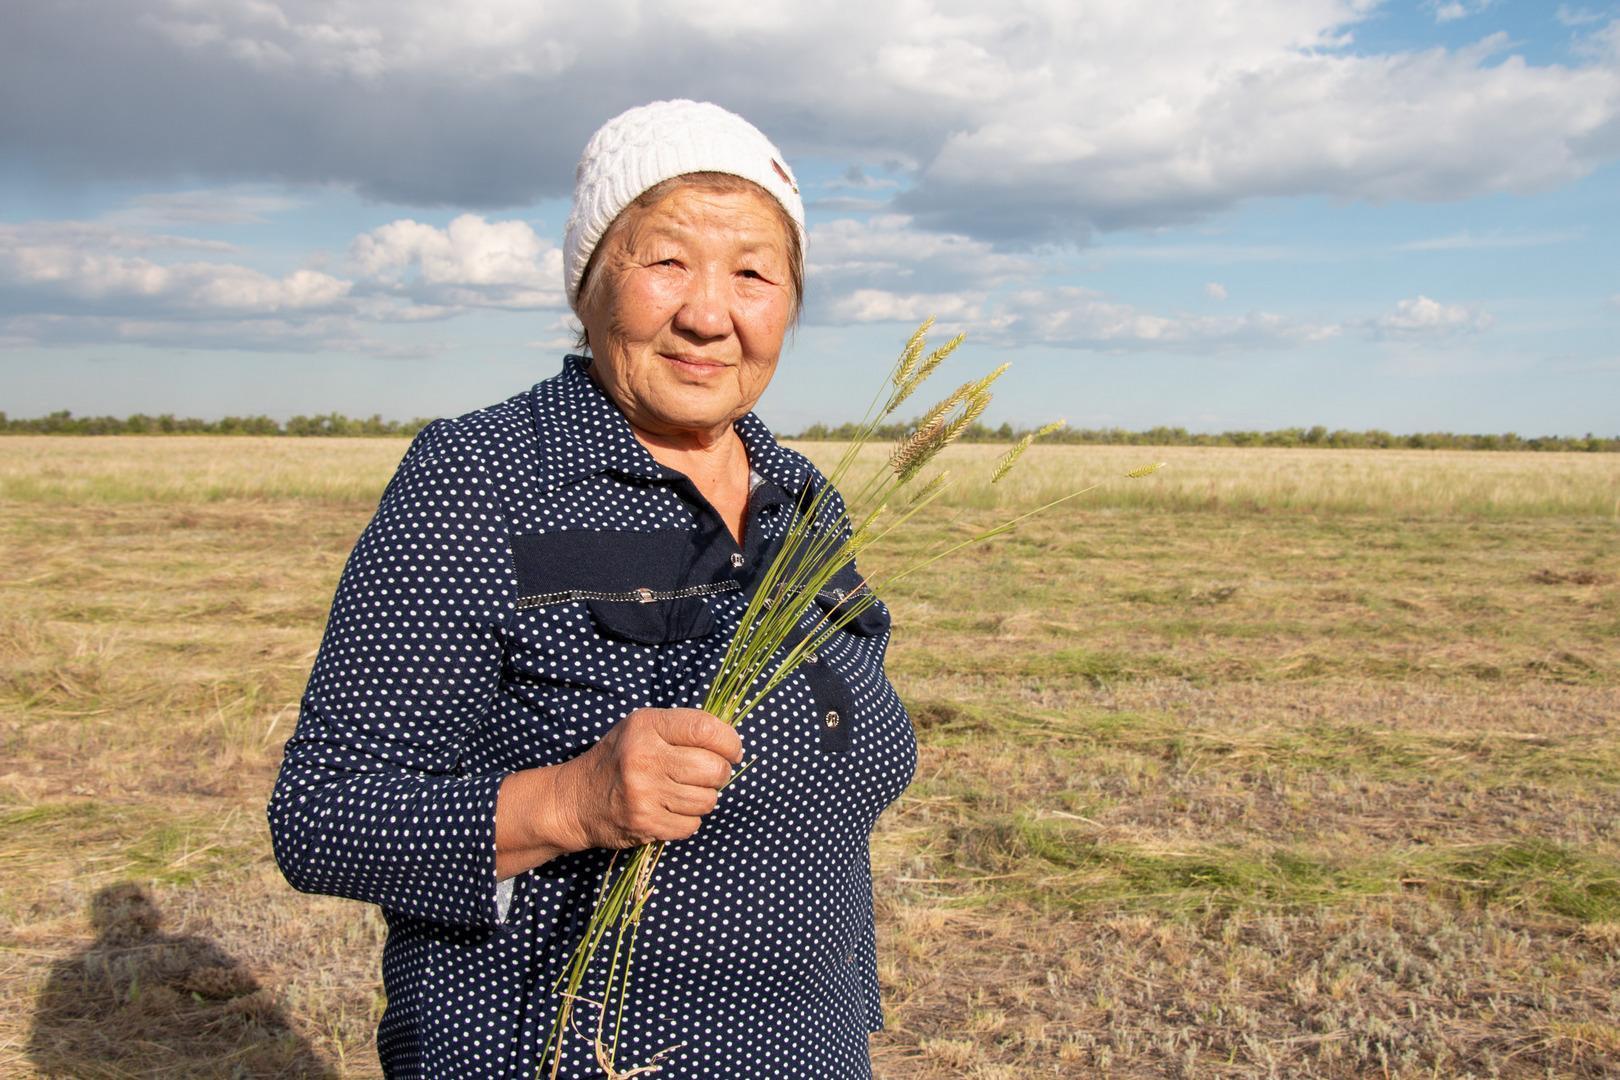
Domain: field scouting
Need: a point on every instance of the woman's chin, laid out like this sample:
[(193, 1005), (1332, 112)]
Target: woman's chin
[(682, 421), (683, 407)]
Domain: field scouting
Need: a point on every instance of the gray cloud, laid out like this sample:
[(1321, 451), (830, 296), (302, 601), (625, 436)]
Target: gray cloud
[(1035, 123), (104, 92), (205, 207)]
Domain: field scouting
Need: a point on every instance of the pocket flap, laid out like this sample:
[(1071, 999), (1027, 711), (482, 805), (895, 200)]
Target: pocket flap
[(653, 623), (846, 586), (639, 586)]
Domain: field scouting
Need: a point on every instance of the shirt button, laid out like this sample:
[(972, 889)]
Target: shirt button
[(849, 958), (811, 658), (737, 560), (833, 718)]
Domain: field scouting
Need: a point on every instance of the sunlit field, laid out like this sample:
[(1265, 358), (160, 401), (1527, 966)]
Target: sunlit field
[(1295, 763), (1407, 483)]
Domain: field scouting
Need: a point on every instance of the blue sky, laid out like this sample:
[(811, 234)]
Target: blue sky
[(1399, 215)]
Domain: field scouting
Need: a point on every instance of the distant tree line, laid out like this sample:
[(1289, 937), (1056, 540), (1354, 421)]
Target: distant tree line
[(1372, 439), (65, 423)]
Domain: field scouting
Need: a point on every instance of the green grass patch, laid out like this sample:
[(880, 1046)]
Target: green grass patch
[(144, 842), (1056, 862), (1535, 875), (1583, 762), (1064, 864)]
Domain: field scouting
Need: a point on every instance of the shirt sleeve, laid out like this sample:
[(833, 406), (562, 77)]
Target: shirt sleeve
[(370, 803)]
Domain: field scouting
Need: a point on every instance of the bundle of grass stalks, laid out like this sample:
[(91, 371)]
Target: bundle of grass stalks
[(825, 535)]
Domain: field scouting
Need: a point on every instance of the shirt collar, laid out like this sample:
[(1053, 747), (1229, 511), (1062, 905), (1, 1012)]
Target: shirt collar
[(583, 433)]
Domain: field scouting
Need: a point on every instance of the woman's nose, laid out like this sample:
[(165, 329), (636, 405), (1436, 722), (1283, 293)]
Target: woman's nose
[(705, 310)]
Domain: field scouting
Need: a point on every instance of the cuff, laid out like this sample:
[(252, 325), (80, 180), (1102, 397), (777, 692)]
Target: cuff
[(503, 899)]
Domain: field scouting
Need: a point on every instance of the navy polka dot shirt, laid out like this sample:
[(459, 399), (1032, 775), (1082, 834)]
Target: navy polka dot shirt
[(530, 577)]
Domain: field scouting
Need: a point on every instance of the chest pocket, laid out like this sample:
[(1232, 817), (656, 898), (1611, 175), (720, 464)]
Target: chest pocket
[(835, 690), (641, 587), (846, 587)]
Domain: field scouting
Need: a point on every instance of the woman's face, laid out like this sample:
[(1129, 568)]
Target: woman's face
[(687, 328)]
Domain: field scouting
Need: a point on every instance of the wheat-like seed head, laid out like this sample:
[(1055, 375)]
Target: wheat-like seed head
[(912, 352), (934, 433), (984, 384), (935, 358), (928, 490), (1010, 458), (1145, 470), (971, 412), (913, 451), (862, 534), (929, 424), (936, 437)]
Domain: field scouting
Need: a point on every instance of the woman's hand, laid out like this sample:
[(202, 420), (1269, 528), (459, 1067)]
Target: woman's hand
[(652, 777)]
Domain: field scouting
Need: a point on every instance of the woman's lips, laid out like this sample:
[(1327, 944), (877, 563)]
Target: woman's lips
[(694, 365)]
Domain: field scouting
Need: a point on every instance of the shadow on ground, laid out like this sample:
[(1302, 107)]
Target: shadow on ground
[(139, 1002)]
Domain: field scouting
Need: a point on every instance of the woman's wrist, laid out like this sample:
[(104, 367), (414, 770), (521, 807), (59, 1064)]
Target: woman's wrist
[(535, 819)]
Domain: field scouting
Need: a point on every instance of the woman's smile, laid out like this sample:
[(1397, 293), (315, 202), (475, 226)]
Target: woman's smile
[(696, 367)]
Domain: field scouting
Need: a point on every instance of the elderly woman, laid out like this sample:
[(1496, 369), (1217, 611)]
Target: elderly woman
[(506, 690)]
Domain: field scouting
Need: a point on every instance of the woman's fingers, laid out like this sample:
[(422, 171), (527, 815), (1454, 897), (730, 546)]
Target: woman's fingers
[(694, 727), (690, 765), (686, 800)]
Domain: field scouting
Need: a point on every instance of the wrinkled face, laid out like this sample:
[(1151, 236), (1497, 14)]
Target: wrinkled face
[(697, 297)]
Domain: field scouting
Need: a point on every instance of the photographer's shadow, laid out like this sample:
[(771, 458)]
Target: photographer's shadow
[(138, 1002)]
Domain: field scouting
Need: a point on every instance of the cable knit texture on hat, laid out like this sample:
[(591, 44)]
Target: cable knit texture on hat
[(649, 144)]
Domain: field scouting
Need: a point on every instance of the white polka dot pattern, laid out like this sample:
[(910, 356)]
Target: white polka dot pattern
[(757, 953)]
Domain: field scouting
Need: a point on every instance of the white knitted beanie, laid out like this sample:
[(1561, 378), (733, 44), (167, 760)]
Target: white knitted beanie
[(649, 144)]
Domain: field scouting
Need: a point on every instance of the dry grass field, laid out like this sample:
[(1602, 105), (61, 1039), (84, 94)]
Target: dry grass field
[(1275, 764)]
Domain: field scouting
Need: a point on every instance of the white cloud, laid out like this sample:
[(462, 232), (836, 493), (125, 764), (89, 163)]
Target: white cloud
[(1422, 315), (1210, 254), (1445, 11), (1034, 122), (77, 282), (882, 305), (329, 332), (1215, 290), (471, 262), (1573, 16), (887, 246), (1600, 46), (1468, 241), (54, 268), (1434, 125), (98, 236), (1074, 317), (1082, 318)]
